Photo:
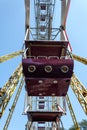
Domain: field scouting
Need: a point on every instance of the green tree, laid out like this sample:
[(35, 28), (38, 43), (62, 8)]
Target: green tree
[(83, 123)]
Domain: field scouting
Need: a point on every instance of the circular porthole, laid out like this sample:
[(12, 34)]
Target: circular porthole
[(64, 69), (31, 68), (48, 68)]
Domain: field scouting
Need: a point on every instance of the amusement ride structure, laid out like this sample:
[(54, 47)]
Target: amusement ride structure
[(46, 71)]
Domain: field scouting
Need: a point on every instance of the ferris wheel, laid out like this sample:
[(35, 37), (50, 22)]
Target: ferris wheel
[(47, 68)]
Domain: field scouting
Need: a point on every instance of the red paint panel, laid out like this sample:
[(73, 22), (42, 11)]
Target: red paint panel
[(43, 6), (44, 116), (46, 48), (48, 87), (40, 68)]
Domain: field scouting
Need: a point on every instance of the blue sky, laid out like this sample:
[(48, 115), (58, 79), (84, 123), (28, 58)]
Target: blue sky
[(12, 32)]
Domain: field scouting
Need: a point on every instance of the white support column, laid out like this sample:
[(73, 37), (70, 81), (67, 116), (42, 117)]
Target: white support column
[(58, 100), (64, 12), (64, 103), (29, 102), (26, 34), (27, 15)]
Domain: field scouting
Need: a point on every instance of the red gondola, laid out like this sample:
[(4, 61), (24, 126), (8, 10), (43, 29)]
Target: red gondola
[(46, 68)]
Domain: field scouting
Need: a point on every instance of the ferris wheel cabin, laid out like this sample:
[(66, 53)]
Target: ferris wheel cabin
[(47, 68)]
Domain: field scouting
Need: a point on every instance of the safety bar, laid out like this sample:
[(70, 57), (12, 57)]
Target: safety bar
[(46, 57)]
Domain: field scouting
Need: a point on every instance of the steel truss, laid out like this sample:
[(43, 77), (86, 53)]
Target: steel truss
[(10, 56), (80, 91), (76, 125), (14, 104), (7, 91)]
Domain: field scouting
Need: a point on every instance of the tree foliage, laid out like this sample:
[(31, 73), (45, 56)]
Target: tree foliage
[(83, 123)]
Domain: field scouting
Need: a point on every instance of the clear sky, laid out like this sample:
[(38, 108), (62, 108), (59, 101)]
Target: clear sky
[(12, 32)]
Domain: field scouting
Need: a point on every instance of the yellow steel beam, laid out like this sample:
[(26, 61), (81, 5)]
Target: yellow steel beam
[(80, 59), (76, 125), (80, 91), (10, 56), (7, 91), (14, 105)]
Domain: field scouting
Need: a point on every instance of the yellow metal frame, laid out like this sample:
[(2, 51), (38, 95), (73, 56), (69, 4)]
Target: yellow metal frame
[(76, 125), (80, 91), (80, 59), (7, 91), (10, 56), (14, 104)]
